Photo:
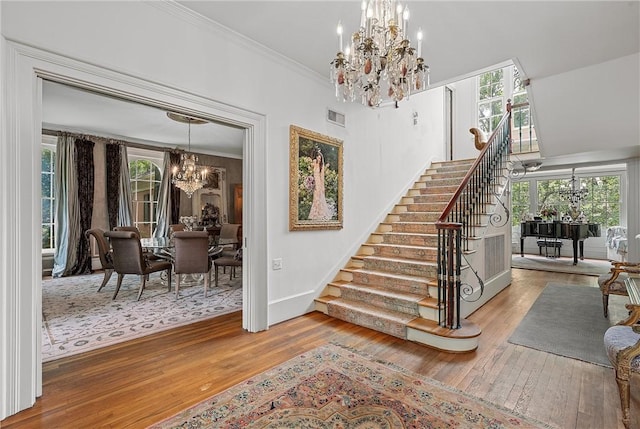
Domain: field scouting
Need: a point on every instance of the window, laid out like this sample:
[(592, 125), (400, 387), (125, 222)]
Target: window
[(519, 201), (145, 186), (47, 192), (602, 204), (490, 100)]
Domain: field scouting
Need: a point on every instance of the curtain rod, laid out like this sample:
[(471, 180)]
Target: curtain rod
[(110, 140)]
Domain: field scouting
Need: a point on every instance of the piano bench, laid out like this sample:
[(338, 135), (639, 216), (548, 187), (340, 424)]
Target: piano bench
[(550, 244)]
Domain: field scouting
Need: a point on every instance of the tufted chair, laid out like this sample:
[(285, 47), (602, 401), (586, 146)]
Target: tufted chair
[(612, 283), (128, 258), (191, 256), (622, 343), (104, 252)]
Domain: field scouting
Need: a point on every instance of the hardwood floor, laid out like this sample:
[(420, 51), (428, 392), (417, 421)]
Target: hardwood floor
[(137, 383)]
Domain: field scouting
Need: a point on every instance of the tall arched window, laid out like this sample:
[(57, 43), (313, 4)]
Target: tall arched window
[(145, 186)]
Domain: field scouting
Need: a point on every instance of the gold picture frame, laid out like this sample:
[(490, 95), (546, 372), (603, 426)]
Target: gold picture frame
[(314, 159)]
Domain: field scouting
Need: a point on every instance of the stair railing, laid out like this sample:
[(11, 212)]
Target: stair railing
[(463, 215)]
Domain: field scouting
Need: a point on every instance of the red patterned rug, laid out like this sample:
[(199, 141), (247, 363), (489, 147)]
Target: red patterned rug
[(332, 387)]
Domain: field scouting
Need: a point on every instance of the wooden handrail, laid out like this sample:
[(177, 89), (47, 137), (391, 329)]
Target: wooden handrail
[(447, 211)]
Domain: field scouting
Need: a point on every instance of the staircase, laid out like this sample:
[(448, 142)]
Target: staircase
[(391, 284)]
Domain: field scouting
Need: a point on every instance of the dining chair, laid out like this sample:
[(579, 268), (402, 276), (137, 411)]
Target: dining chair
[(228, 240), (150, 254), (104, 252), (191, 256), (227, 261), (128, 258)]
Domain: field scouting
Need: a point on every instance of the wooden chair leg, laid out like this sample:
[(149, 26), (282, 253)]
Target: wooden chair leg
[(107, 276), (177, 284), (118, 285), (142, 284), (216, 276), (207, 279), (605, 304), (624, 390)]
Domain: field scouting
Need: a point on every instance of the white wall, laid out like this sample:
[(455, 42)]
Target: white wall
[(465, 117), (186, 59)]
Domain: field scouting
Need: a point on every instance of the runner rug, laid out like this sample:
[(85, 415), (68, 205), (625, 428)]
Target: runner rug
[(332, 387), (76, 318), (567, 320)]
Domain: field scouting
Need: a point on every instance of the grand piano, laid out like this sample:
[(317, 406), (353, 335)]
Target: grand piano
[(576, 232)]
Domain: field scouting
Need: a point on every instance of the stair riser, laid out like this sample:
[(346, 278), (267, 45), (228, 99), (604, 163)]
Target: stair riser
[(361, 294), (420, 228), (418, 216), (444, 182), (438, 190), (418, 253), (392, 283), (410, 240), (427, 207), (400, 267), (352, 315), (444, 198)]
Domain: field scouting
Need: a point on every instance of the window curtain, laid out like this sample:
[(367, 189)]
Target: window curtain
[(124, 197), (163, 214), (175, 192), (74, 181), (113, 163), (85, 180)]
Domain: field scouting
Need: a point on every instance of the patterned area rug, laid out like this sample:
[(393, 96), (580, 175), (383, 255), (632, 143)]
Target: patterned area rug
[(331, 387), (77, 319)]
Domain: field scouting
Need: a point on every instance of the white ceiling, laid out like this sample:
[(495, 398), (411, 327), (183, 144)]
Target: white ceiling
[(461, 37)]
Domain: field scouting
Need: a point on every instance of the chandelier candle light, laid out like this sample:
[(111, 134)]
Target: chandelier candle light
[(188, 176), (379, 61)]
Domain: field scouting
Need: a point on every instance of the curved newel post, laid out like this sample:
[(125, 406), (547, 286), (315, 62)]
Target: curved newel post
[(449, 263)]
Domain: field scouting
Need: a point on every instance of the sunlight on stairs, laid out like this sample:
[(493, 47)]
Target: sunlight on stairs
[(390, 285)]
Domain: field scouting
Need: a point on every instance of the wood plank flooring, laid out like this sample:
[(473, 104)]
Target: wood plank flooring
[(137, 383)]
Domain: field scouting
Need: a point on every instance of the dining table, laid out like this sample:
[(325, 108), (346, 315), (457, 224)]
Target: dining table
[(163, 247)]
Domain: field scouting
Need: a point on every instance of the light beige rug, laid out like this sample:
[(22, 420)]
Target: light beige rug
[(591, 267), (76, 318)]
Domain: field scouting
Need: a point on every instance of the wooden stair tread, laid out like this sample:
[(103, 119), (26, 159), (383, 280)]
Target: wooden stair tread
[(391, 293), (402, 260), (371, 310), (468, 329), (401, 277), (402, 246)]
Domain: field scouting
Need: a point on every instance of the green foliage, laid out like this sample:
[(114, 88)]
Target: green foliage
[(602, 204)]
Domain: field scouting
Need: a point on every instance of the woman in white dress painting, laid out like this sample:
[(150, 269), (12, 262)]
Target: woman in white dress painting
[(319, 208)]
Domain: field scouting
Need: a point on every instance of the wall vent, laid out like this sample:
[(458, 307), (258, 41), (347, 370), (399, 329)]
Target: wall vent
[(336, 117), (494, 255)]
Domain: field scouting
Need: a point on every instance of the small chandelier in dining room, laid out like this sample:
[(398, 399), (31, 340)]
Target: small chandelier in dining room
[(378, 61), (188, 176)]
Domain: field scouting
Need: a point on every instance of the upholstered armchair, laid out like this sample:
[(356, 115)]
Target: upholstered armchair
[(128, 258), (104, 252), (191, 256), (612, 283), (622, 343)]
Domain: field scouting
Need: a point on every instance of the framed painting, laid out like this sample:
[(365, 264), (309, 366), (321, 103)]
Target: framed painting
[(315, 180)]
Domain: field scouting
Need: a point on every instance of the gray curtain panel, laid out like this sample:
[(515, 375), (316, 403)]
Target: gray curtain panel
[(163, 214), (124, 196)]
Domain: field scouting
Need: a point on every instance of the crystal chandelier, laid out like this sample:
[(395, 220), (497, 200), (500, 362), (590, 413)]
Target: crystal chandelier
[(573, 195), (187, 176), (379, 62)]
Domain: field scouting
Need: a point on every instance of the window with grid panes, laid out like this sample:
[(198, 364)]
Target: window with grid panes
[(145, 186), (47, 193), (490, 100)]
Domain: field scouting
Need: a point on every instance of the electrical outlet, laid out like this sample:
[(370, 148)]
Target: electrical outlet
[(276, 264)]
